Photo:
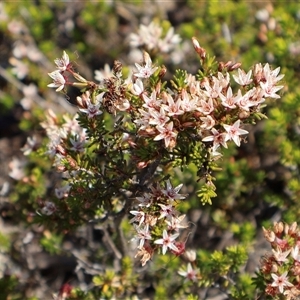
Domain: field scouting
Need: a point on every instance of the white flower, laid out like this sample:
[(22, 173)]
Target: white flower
[(92, 110), (78, 144), (206, 107), (243, 78), (175, 223), (49, 208), (62, 63), (17, 168), (281, 256), (58, 80), (295, 253), (147, 70), (20, 69), (229, 100), (29, 146), (62, 192), (167, 211), (167, 241), (143, 234), (30, 93), (138, 87), (139, 216), (103, 74)]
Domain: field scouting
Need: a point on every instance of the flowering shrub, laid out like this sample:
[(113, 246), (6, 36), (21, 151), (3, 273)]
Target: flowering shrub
[(280, 270), (113, 153), (122, 159)]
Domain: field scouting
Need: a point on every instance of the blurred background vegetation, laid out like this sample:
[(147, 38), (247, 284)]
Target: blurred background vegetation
[(258, 183)]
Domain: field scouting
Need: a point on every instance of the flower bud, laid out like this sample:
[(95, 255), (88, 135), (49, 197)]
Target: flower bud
[(269, 235), (190, 255), (142, 164), (244, 114), (234, 67), (274, 268), (60, 149), (162, 72), (117, 68), (79, 78), (201, 51), (278, 227)]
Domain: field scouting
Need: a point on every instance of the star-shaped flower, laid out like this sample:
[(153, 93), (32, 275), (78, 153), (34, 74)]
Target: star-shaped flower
[(234, 131), (147, 70), (167, 241), (62, 63), (58, 80)]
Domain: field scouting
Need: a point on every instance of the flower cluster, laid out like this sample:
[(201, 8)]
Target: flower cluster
[(208, 105), (156, 213), (64, 137), (152, 38), (281, 268)]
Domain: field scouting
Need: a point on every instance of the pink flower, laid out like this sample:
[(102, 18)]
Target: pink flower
[(151, 102), (217, 138), (215, 90), (206, 107), (172, 108), (100, 75), (171, 192), (208, 122), (167, 241), (167, 211), (30, 94), (270, 90), (281, 281), (20, 69), (190, 273), (17, 168), (234, 131), (281, 256), (166, 133), (145, 200), (187, 103), (158, 118), (58, 80), (243, 78), (229, 100)]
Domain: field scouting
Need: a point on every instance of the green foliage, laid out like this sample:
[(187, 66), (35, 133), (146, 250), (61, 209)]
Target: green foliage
[(4, 242), (52, 242), (206, 193), (8, 286)]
